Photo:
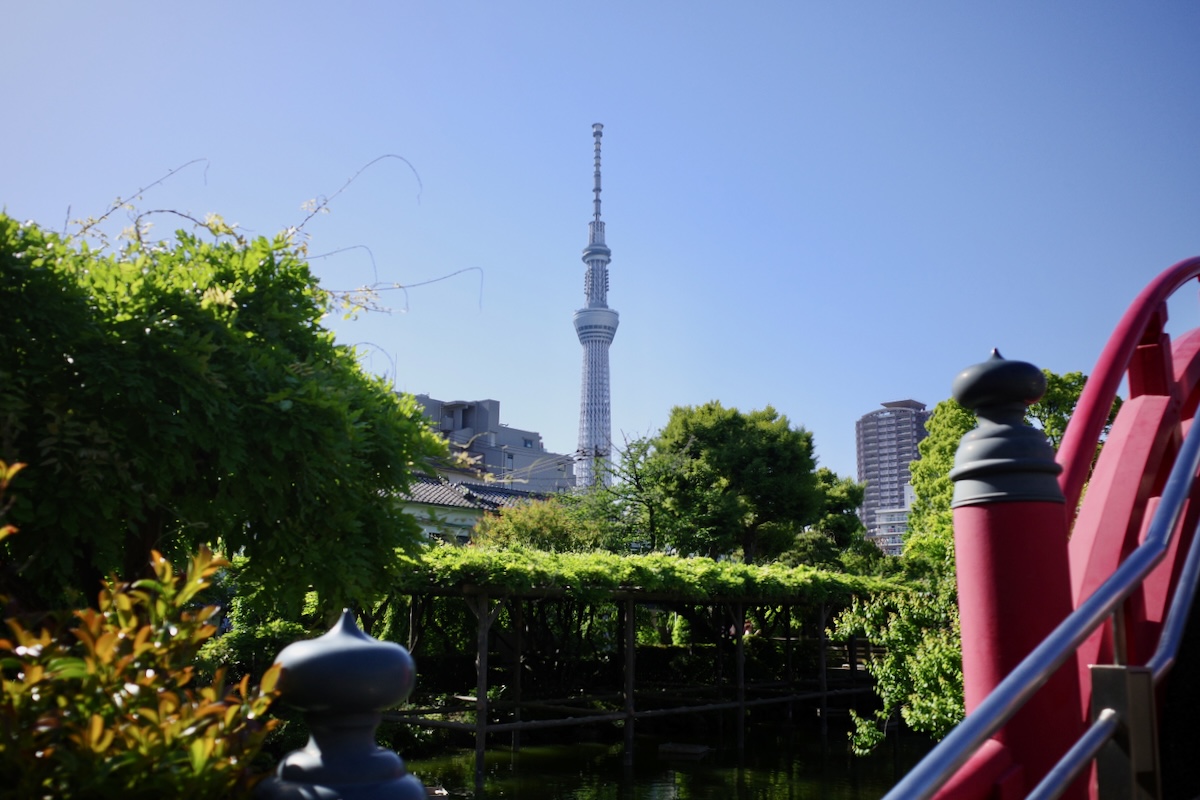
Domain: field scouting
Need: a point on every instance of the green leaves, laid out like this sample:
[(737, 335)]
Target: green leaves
[(183, 393), (597, 574), (105, 704), (550, 524), (919, 675), (727, 474)]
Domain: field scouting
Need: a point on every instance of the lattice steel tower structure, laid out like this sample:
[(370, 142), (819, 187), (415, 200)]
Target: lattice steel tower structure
[(596, 325)]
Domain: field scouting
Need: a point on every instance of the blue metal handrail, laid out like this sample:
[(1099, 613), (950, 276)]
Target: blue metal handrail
[(1023, 682), (1078, 757)]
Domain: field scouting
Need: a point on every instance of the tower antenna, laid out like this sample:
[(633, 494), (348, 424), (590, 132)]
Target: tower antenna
[(597, 135)]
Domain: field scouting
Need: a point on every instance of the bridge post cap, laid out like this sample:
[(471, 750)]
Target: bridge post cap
[(341, 681), (998, 381), (1003, 459), (345, 670)]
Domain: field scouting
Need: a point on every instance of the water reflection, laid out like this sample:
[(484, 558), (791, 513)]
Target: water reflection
[(784, 763)]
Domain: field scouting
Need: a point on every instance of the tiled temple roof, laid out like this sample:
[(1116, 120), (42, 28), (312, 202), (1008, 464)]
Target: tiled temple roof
[(438, 491)]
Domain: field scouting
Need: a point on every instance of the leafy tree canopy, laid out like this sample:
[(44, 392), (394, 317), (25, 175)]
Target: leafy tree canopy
[(837, 540), (182, 392), (636, 498), (556, 524), (840, 501), (729, 478)]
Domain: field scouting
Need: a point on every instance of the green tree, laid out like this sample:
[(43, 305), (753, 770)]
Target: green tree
[(555, 524), (732, 478), (637, 493), (929, 545), (840, 501), (837, 540), (920, 677), (1053, 411), (814, 549), (177, 393)]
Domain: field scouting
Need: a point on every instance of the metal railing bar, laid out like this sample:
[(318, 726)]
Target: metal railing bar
[(1120, 643), (1177, 616), (1037, 667), (1079, 756)]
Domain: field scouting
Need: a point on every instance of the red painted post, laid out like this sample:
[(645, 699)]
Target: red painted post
[(1010, 539)]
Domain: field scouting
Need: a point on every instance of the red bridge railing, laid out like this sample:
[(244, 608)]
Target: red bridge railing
[(1140, 347), (1093, 580), (1124, 487)]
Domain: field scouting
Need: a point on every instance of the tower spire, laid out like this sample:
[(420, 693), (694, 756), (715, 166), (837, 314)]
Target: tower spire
[(596, 228), (596, 326)]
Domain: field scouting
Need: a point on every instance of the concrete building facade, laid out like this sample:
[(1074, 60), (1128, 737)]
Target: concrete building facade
[(892, 524), (886, 443), (513, 456)]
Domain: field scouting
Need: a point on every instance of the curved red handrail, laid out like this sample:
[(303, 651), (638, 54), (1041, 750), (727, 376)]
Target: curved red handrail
[(1079, 441)]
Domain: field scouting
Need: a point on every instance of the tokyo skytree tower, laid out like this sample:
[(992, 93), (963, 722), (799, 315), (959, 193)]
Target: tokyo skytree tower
[(596, 325)]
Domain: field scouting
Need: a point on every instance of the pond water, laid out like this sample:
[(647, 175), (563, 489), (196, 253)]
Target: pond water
[(779, 763)]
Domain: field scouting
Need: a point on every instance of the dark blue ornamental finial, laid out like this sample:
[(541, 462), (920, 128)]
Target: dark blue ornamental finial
[(1003, 460), (341, 682)]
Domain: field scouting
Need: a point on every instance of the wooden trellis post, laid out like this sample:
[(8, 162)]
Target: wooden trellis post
[(630, 664), (485, 615)]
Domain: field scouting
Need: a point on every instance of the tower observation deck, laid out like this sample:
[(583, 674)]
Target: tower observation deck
[(596, 326)]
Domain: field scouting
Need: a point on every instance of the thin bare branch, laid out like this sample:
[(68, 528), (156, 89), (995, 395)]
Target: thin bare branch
[(377, 288), (119, 202), (137, 222), (374, 269), (324, 203)]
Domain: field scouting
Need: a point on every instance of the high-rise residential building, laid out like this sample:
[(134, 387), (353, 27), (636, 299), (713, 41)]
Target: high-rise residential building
[(886, 440), (596, 326), (509, 455)]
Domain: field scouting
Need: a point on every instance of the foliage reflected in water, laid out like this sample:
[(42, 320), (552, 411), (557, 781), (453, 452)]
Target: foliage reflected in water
[(784, 763)]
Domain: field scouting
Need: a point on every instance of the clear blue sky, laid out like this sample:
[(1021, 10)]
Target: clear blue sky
[(819, 206)]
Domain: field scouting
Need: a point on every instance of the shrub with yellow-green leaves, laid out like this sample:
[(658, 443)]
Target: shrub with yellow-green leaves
[(107, 704)]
